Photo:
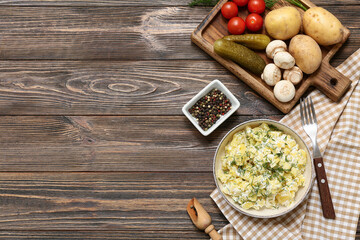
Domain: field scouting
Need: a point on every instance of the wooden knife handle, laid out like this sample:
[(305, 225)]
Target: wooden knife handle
[(325, 196)]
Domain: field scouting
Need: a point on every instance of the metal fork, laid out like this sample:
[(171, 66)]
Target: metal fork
[(309, 123)]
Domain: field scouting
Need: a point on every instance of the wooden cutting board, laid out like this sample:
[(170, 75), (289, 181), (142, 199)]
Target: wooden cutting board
[(327, 79)]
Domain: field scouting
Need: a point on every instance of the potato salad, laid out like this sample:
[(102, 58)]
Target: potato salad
[(262, 167)]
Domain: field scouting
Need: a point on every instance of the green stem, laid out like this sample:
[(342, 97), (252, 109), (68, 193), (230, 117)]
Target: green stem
[(270, 3), (209, 3), (298, 4)]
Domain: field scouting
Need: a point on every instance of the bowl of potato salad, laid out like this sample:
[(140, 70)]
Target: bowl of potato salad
[(263, 168)]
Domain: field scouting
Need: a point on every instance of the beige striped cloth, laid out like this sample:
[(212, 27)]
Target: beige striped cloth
[(339, 141)]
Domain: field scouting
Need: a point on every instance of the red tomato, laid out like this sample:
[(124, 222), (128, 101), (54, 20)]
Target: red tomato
[(236, 26), (240, 3), (229, 10), (254, 22), (256, 6)]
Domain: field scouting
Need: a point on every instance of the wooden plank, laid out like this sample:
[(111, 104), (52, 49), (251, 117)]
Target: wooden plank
[(114, 88), (110, 3), (135, 3), (103, 201), (105, 235), (128, 202), (129, 143), (121, 33)]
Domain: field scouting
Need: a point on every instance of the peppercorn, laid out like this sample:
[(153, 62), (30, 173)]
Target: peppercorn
[(208, 109)]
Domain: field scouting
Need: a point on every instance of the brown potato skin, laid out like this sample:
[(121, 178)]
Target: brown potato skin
[(307, 53)]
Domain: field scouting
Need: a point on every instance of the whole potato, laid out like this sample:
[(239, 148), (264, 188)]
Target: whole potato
[(283, 23), (307, 53), (322, 26)]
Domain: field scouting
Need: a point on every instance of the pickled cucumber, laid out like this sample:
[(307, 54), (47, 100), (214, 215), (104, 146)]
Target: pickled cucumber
[(252, 41), (243, 56)]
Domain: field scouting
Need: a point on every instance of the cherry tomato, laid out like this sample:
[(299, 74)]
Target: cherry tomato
[(256, 6), (236, 26), (254, 22), (240, 3), (229, 10)]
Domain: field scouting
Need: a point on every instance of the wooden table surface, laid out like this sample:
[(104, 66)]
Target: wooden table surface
[(93, 144)]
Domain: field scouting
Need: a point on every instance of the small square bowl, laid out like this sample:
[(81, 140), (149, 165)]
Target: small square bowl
[(235, 104)]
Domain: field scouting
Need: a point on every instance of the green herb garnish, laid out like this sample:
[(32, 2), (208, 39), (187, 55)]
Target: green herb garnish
[(266, 165), (233, 163), (241, 170), (208, 3), (267, 134), (297, 3), (273, 128), (270, 3), (279, 169), (280, 154)]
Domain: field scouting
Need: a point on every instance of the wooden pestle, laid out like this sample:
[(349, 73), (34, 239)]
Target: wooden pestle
[(201, 219)]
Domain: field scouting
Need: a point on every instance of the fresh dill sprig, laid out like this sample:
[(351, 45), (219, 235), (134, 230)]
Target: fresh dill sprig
[(298, 4), (279, 154), (208, 3), (233, 163), (270, 3), (273, 128)]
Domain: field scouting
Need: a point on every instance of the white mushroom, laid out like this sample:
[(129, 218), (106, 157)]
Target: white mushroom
[(284, 60), (274, 47), (271, 74), (293, 75), (284, 91)]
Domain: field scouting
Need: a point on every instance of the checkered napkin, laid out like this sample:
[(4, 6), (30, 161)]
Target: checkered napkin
[(339, 142)]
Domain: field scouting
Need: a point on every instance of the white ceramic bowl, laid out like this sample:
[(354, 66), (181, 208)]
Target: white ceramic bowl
[(235, 104), (265, 212)]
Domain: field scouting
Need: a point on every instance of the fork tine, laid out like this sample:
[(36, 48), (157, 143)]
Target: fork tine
[(313, 110), (308, 108), (306, 120), (302, 111)]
